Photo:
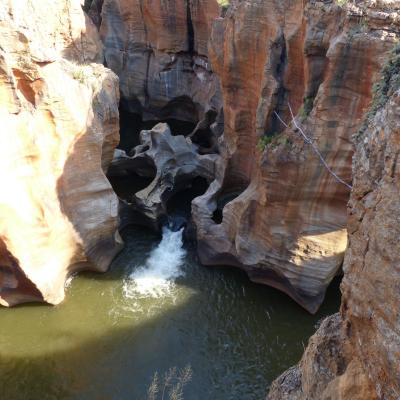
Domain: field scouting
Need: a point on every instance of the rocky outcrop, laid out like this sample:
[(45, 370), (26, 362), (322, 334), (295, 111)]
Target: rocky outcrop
[(276, 211), (172, 165), (326, 371), (59, 118), (365, 337), (159, 51)]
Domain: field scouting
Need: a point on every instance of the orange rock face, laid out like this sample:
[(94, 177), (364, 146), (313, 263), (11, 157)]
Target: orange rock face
[(364, 340), (159, 51), (59, 118), (370, 287), (276, 211)]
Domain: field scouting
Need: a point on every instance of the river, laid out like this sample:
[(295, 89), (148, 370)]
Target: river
[(156, 309)]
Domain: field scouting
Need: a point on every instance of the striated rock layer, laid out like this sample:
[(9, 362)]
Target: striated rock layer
[(362, 348), (274, 209), (59, 118), (159, 51)]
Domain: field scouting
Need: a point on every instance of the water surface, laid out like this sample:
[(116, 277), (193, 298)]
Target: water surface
[(157, 308)]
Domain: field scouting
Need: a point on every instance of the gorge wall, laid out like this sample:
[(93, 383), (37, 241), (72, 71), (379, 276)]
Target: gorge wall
[(355, 354), (276, 211), (58, 213), (159, 51), (221, 79), (273, 209)]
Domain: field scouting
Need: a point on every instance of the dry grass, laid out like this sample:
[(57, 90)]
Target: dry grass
[(171, 386)]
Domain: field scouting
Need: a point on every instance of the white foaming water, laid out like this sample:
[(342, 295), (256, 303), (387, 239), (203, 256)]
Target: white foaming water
[(157, 277)]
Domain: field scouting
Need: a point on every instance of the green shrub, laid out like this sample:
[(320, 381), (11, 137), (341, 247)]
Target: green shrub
[(224, 4), (81, 73), (272, 141), (263, 142)]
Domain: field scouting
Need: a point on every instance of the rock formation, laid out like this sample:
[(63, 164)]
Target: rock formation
[(59, 116), (159, 51), (272, 208), (173, 166), (276, 211), (356, 355)]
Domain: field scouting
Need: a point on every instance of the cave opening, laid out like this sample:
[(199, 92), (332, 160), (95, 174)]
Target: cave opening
[(223, 199), (126, 186), (234, 185), (180, 114), (278, 62), (181, 108), (130, 126), (178, 127), (204, 136), (128, 178), (180, 203)]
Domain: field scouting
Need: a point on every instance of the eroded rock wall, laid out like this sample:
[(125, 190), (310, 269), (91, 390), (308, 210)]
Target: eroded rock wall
[(366, 334), (159, 51), (275, 210), (370, 305), (59, 121), (174, 167)]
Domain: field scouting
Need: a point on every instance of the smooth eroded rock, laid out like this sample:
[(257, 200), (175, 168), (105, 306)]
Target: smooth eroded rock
[(175, 171), (59, 118), (275, 210)]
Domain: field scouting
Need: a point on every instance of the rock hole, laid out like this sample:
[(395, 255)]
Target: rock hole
[(222, 201), (132, 178), (130, 127), (278, 100), (176, 126), (180, 203)]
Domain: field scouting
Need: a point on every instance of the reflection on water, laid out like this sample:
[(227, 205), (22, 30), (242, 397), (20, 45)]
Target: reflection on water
[(115, 330)]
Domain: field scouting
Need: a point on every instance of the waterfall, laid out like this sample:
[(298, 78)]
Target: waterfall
[(156, 277)]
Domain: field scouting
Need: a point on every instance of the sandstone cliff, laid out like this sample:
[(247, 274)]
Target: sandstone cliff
[(273, 209), (276, 211), (159, 51), (356, 355), (59, 119)]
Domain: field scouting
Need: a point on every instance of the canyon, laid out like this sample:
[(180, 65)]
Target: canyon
[(267, 128)]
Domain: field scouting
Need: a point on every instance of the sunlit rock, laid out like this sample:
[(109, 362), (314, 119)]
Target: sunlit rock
[(59, 119), (275, 210)]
